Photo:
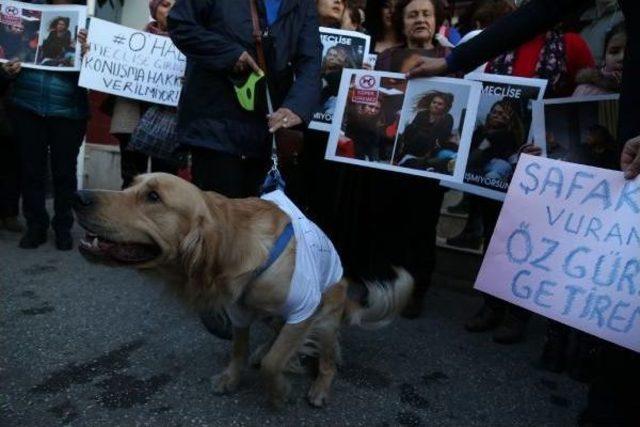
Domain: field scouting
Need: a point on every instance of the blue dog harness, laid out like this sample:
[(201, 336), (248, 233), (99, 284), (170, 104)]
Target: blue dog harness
[(277, 250)]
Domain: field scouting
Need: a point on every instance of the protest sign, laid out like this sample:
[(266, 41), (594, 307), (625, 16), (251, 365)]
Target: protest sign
[(340, 49), (504, 126), (41, 36), (567, 246), (132, 64), (420, 127), (579, 130)]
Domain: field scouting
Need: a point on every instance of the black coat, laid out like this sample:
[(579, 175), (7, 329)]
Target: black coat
[(213, 34), (539, 15)]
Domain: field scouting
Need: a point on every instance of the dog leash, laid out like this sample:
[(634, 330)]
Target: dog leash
[(273, 180)]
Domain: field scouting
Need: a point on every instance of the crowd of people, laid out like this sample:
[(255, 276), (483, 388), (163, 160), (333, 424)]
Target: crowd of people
[(377, 219)]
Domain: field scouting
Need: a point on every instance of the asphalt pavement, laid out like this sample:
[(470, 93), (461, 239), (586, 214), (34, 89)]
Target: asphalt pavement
[(83, 344)]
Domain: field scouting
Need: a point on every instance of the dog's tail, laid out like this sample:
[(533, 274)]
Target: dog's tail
[(374, 304)]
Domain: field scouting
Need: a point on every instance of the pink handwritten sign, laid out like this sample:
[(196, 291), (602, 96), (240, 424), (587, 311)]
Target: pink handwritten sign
[(567, 246)]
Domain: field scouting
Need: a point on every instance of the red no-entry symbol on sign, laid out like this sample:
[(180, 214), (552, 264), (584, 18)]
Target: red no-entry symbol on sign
[(367, 82)]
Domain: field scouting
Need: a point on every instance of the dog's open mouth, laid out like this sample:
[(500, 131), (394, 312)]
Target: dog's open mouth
[(125, 252)]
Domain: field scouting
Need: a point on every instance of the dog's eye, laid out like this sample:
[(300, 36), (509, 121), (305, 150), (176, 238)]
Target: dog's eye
[(153, 197)]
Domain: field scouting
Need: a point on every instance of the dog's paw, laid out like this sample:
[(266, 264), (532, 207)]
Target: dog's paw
[(318, 396), (256, 357), (280, 393), (225, 383)]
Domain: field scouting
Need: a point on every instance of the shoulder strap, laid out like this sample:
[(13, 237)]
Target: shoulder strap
[(273, 179), (257, 35)]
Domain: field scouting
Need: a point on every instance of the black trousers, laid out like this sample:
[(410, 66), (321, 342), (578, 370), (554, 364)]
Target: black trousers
[(385, 219), (9, 177), (227, 174), (133, 163), (41, 139), (490, 211)]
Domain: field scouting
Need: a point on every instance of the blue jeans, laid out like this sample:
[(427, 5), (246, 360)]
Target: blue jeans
[(498, 169)]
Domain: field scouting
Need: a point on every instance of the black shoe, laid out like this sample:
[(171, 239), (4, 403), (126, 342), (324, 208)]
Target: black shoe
[(217, 323), (414, 307), (461, 209), (484, 320), (33, 238), (511, 330), (554, 353), (64, 242), (11, 223), (585, 359)]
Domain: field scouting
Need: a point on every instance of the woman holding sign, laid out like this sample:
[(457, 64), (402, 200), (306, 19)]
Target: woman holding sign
[(146, 131), (396, 214), (49, 114)]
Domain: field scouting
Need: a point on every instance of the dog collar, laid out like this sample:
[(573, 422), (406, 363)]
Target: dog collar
[(277, 250)]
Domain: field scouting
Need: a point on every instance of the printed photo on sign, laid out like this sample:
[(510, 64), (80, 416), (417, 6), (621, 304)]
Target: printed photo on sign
[(367, 118), (580, 130), (41, 36), (416, 127), (340, 49), (132, 64), (567, 246), (435, 127), (502, 132)]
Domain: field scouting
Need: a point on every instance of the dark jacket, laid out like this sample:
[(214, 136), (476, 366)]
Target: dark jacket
[(213, 34), (49, 93), (539, 15)]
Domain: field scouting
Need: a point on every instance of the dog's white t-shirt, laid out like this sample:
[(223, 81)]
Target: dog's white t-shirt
[(317, 266)]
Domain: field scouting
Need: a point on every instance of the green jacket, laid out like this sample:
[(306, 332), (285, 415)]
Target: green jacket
[(49, 93)]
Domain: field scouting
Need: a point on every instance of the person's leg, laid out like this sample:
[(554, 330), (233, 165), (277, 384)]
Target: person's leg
[(489, 316), (471, 236), (515, 320), (216, 171), (554, 352), (233, 177), (9, 184), (66, 137), (132, 163), (161, 165), (418, 218), (612, 398), (255, 172), (31, 138)]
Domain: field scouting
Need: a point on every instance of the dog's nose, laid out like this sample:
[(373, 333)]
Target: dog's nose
[(82, 199)]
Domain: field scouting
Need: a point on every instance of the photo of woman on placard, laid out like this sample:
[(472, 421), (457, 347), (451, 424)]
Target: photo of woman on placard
[(495, 144), (428, 133), (58, 48), (337, 58)]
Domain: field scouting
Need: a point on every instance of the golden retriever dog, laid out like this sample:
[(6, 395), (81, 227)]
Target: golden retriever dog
[(214, 245)]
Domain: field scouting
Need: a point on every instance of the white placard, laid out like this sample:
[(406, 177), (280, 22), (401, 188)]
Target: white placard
[(43, 37), (420, 127), (504, 126), (132, 64), (340, 49), (567, 246)]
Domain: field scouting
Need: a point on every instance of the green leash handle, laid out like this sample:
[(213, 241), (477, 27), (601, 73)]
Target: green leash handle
[(246, 93)]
